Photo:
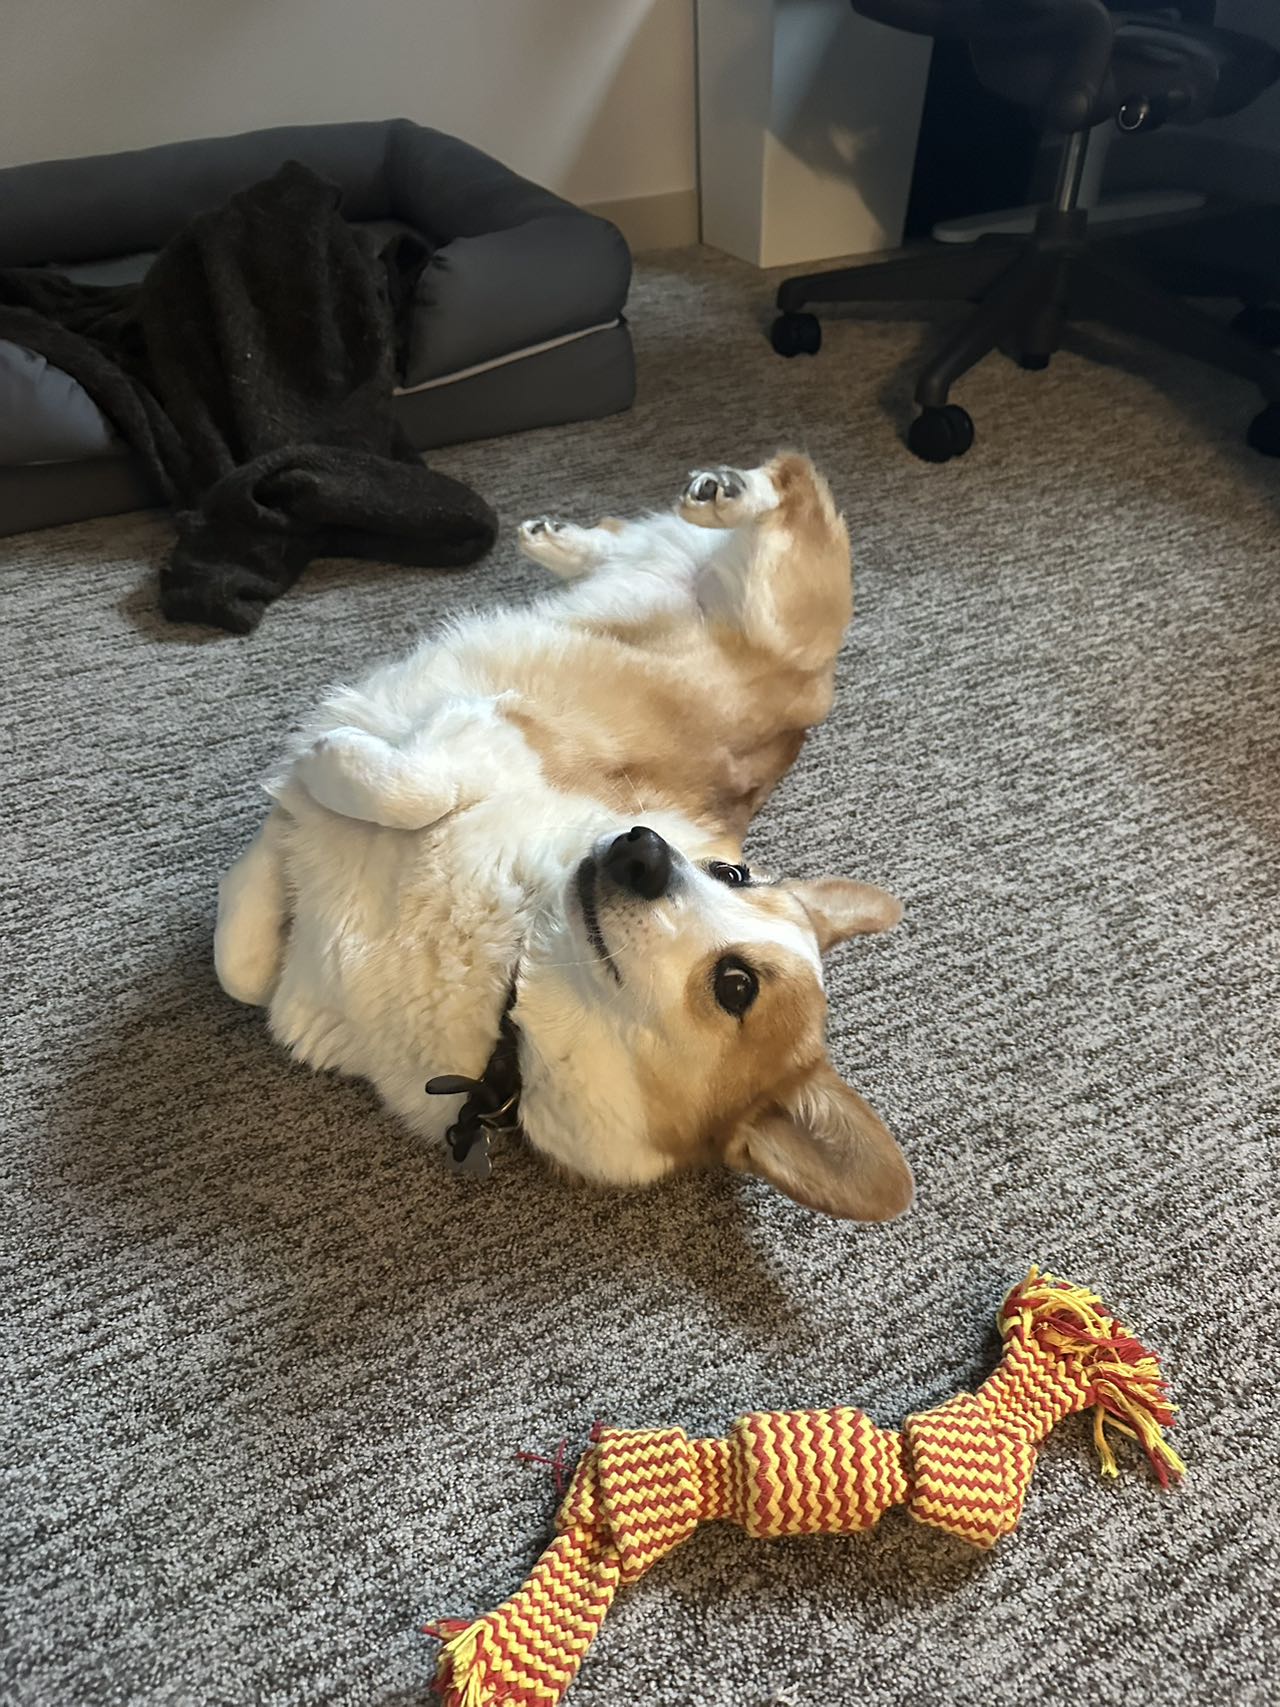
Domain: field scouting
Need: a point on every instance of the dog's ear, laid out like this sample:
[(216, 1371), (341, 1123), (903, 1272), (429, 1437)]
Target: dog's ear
[(828, 1149), (839, 908)]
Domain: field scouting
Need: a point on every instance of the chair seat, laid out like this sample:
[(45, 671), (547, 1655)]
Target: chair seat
[(1204, 72), (1185, 71)]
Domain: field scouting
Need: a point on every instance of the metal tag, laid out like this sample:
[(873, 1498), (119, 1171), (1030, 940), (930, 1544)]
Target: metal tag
[(476, 1164)]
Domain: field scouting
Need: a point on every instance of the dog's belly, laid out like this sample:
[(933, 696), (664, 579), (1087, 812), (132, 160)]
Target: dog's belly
[(588, 709), (402, 944), (397, 963), (402, 940)]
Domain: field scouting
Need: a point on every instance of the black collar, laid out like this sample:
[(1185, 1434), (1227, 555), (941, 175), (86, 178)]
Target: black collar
[(493, 1100)]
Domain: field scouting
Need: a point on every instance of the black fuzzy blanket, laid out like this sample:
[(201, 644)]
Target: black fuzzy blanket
[(251, 373)]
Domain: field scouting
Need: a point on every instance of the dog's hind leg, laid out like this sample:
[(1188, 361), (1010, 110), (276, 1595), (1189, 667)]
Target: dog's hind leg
[(248, 941), (728, 497), (781, 576)]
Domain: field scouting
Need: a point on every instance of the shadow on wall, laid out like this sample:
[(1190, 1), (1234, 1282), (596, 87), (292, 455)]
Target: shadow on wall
[(814, 75), (833, 99), (593, 101), (639, 46)]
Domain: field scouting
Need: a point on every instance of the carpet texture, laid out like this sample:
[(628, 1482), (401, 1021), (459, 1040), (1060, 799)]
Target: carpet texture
[(268, 1367)]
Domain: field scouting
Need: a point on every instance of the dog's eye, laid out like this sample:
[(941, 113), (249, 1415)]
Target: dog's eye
[(733, 875), (736, 985)]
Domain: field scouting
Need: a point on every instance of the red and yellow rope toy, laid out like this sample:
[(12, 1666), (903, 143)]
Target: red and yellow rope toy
[(963, 1468)]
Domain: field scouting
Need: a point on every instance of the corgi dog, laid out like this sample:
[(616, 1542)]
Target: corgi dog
[(520, 848)]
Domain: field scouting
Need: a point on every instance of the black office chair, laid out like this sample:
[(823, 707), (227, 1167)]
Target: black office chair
[(1076, 65)]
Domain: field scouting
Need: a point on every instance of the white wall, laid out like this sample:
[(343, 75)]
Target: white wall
[(593, 98)]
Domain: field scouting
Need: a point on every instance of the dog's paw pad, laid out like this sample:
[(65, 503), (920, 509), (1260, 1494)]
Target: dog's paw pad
[(561, 547), (714, 485)]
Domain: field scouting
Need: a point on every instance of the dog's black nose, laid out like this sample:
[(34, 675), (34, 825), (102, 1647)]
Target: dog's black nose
[(641, 862)]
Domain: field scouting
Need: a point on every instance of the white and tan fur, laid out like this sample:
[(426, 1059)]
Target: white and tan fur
[(430, 824)]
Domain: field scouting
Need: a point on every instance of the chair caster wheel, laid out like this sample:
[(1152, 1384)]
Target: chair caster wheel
[(1033, 364), (936, 435), (796, 335), (1264, 431), (1259, 324)]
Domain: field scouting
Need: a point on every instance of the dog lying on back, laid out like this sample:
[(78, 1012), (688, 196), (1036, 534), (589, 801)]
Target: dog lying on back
[(531, 829)]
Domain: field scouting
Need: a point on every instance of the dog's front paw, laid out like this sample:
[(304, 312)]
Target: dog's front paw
[(723, 497), (561, 547)]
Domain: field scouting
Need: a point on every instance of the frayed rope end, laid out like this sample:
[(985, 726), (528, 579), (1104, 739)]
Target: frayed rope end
[(1122, 1378), (461, 1678)]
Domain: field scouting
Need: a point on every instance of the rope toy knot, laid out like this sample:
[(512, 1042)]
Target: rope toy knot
[(963, 1467), (640, 1493)]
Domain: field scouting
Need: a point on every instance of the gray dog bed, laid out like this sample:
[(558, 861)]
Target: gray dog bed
[(517, 320)]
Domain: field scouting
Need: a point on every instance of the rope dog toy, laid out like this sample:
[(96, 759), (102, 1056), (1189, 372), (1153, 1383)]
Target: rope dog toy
[(963, 1468)]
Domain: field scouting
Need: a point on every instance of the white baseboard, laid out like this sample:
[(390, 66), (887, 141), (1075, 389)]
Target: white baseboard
[(668, 221)]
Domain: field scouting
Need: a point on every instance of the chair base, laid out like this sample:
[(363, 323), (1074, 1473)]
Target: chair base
[(1025, 291), (1129, 209)]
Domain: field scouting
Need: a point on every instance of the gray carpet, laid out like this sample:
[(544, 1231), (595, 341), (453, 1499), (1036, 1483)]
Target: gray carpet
[(268, 1368)]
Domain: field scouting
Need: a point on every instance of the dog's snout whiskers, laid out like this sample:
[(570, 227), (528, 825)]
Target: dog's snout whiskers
[(585, 885)]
